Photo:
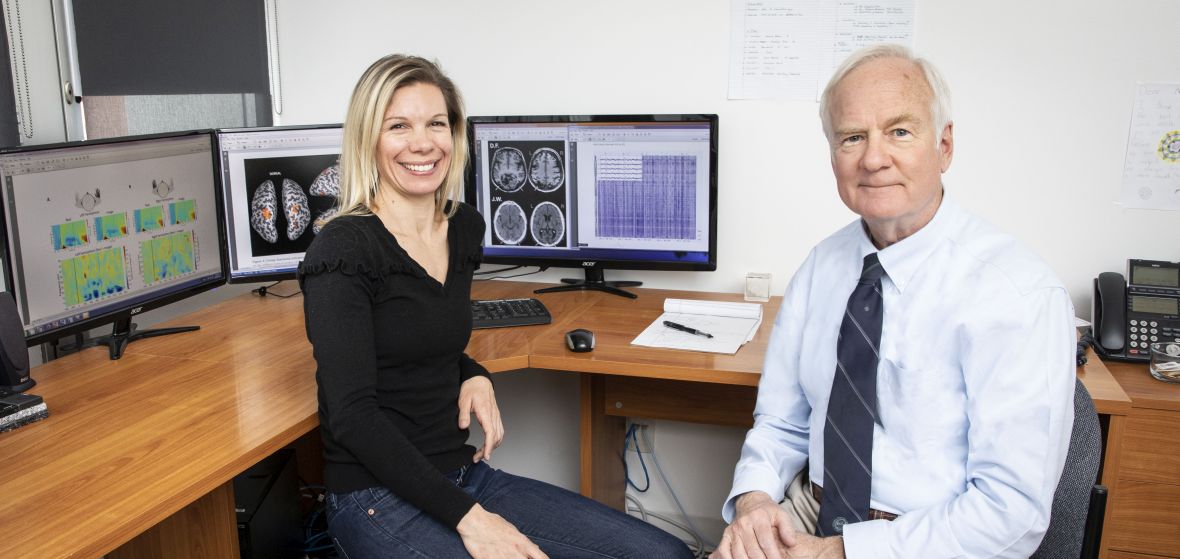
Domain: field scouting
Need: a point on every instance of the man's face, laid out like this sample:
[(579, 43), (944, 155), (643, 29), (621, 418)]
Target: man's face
[(886, 156)]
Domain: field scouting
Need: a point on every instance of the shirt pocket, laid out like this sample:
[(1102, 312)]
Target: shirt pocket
[(922, 403)]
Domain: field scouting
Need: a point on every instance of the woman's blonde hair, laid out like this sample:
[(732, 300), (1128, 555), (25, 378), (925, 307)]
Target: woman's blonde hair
[(359, 179)]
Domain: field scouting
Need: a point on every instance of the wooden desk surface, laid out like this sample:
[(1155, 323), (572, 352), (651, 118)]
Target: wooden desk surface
[(129, 443), (1145, 391), (616, 321)]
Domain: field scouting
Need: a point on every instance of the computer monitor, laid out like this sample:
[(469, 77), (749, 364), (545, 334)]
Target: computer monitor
[(635, 192), (98, 231), (278, 184)]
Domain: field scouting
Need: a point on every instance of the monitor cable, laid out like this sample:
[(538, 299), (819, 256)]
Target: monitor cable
[(496, 271), (537, 271), (264, 290)]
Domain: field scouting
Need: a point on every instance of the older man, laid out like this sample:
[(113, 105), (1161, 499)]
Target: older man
[(917, 392)]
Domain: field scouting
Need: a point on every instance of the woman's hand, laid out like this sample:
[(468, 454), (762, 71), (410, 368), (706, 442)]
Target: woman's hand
[(476, 396), (488, 536)]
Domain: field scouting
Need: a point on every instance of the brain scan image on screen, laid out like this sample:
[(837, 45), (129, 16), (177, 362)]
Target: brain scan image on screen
[(263, 212), (322, 220), (327, 183), (547, 224), (295, 209), (545, 171), (507, 169), (509, 223)]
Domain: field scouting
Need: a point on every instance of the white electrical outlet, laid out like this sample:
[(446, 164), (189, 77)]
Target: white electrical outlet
[(647, 437)]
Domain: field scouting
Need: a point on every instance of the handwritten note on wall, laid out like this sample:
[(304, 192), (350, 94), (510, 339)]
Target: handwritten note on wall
[(787, 49), (1151, 172)]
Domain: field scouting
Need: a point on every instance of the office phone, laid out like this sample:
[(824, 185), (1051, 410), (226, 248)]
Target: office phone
[(1130, 315)]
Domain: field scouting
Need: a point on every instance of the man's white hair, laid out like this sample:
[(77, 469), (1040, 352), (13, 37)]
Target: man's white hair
[(940, 98)]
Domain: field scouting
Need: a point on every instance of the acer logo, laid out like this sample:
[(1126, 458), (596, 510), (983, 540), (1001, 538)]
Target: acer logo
[(589, 264), (136, 310)]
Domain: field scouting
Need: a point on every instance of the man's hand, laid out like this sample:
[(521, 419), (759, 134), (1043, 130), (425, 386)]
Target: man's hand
[(476, 396), (487, 535), (811, 547), (760, 530)]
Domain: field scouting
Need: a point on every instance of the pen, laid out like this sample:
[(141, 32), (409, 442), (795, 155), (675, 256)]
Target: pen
[(684, 328)]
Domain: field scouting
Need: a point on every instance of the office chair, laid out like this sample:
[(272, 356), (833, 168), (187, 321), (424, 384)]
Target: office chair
[(1075, 523)]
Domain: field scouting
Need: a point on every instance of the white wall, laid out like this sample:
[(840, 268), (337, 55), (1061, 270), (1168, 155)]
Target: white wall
[(1042, 99)]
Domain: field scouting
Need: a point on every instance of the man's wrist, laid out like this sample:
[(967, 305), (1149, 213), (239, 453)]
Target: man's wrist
[(833, 548), (751, 500)]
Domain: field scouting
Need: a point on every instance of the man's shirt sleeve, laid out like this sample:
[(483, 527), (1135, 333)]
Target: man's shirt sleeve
[(775, 449)]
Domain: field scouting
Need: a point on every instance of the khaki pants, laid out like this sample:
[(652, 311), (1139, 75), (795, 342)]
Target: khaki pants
[(800, 505)]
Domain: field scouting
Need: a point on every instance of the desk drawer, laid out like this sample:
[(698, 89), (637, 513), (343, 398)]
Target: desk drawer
[(697, 402), (1151, 447), (1144, 519)]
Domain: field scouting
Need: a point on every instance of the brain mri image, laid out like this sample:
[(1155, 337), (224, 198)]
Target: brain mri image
[(545, 170), (327, 183), (322, 220), (509, 223), (295, 209), (508, 169), (547, 224), (263, 210)]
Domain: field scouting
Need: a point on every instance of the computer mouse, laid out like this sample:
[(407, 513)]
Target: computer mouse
[(579, 340)]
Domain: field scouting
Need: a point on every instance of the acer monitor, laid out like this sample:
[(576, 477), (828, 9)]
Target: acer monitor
[(95, 232), (597, 192)]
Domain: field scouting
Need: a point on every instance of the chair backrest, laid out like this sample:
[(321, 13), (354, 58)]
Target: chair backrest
[(1071, 501)]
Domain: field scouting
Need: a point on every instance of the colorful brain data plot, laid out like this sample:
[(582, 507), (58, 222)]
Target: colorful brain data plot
[(167, 257), (69, 234), (149, 219), (183, 211), (89, 277), (110, 226)]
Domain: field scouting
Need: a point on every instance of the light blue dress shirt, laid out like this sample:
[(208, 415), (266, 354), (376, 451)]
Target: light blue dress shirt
[(975, 389)]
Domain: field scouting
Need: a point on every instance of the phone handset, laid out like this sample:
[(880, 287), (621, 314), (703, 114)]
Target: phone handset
[(1109, 312)]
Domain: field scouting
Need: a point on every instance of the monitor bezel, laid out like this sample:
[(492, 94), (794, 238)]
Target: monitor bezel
[(129, 311), (470, 189), (223, 184)]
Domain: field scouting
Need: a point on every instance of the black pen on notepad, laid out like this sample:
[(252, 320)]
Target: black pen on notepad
[(684, 328)]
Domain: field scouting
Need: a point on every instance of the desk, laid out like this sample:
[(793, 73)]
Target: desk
[(137, 455), (1145, 500)]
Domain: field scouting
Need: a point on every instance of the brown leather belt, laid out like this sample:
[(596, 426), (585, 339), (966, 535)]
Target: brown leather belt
[(874, 514)]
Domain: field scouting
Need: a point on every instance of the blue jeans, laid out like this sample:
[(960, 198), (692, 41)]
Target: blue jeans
[(562, 523)]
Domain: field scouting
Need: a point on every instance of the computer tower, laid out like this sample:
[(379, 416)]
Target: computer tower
[(266, 498)]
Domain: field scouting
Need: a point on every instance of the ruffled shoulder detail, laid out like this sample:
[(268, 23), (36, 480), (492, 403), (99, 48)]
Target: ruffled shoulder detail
[(356, 246)]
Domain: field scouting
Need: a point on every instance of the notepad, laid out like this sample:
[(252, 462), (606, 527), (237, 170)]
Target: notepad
[(731, 324)]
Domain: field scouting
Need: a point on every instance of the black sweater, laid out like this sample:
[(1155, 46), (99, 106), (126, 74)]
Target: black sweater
[(388, 341)]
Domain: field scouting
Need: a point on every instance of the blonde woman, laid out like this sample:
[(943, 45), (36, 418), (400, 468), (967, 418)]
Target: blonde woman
[(387, 287)]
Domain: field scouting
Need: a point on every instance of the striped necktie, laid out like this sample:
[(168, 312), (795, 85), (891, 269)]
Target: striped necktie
[(852, 407)]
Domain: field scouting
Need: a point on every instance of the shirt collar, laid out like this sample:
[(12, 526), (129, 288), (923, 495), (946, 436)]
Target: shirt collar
[(902, 259)]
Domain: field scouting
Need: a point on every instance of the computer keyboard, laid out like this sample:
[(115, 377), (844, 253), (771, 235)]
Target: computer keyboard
[(498, 313)]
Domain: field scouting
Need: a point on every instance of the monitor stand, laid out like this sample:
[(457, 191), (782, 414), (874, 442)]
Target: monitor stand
[(594, 282), (123, 332)]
